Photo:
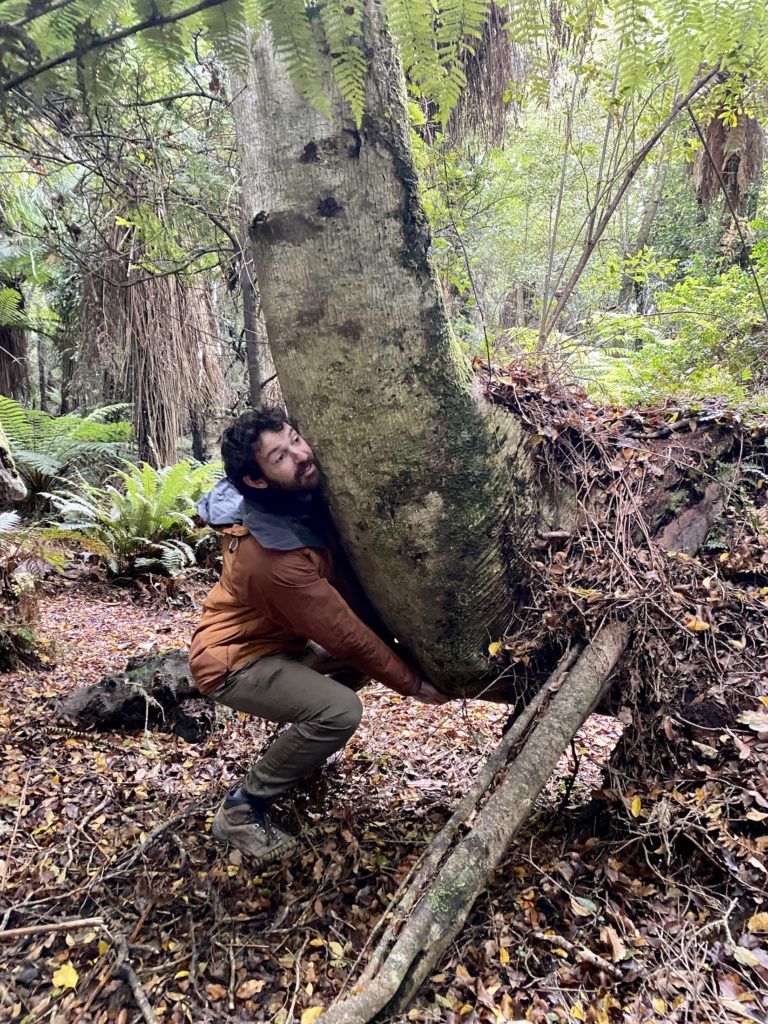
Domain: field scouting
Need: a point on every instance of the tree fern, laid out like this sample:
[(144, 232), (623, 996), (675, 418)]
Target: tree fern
[(632, 24), (11, 313), (227, 27), (460, 23), (412, 25)]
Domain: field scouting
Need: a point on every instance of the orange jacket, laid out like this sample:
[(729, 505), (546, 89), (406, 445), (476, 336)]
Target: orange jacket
[(271, 601)]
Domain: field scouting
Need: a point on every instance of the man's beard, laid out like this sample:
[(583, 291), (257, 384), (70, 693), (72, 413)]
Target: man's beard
[(300, 484)]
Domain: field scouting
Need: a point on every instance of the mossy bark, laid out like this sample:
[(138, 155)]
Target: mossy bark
[(434, 493)]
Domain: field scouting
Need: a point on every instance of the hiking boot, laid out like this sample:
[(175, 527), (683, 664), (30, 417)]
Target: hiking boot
[(243, 821)]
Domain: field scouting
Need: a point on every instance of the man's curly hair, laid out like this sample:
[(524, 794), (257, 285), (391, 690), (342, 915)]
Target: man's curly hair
[(238, 440)]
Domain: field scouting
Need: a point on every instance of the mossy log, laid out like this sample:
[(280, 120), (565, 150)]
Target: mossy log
[(148, 693)]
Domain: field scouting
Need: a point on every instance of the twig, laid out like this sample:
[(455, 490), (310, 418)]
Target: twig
[(56, 926), (232, 976), (156, 833), (124, 963), (295, 995), (579, 952), (7, 865)]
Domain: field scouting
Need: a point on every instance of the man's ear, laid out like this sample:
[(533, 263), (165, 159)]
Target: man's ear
[(257, 483)]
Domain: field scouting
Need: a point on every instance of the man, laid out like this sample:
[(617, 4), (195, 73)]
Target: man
[(276, 593)]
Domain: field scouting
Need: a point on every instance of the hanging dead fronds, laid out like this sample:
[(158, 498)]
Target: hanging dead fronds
[(495, 72), (736, 151), (157, 342)]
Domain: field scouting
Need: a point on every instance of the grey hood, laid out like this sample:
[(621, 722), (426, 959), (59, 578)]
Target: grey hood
[(222, 506), (277, 519)]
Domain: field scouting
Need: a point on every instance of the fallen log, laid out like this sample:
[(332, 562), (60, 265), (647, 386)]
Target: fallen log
[(149, 692), (443, 907)]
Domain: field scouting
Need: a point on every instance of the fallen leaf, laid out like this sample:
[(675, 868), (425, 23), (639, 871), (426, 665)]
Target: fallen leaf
[(582, 907), (311, 1014), (249, 988), (66, 976), (758, 922)]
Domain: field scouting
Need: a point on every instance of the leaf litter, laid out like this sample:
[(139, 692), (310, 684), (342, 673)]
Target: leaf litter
[(646, 901)]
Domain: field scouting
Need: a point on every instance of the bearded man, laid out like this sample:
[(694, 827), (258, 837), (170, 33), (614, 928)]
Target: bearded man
[(277, 638)]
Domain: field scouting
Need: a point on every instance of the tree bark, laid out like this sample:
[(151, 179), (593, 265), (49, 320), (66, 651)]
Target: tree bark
[(434, 494)]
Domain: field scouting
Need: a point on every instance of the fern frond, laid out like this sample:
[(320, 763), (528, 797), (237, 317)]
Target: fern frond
[(227, 31), (296, 43), (11, 310), (342, 21), (9, 522)]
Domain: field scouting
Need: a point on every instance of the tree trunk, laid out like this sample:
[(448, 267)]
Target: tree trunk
[(42, 376), (434, 495), (628, 287), (14, 376)]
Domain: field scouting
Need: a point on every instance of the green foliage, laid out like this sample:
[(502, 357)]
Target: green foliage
[(343, 25), (11, 313), (47, 449), (705, 339), (295, 42), (143, 524)]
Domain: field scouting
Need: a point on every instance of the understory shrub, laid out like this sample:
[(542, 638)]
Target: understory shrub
[(50, 449), (142, 522)]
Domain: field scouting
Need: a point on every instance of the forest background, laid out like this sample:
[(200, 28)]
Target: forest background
[(130, 324)]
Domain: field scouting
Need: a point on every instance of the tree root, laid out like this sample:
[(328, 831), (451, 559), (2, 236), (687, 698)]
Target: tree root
[(401, 966)]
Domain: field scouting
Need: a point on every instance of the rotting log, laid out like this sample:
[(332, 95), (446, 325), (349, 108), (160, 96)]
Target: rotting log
[(149, 692)]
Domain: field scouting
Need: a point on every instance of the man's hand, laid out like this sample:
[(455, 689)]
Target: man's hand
[(427, 694)]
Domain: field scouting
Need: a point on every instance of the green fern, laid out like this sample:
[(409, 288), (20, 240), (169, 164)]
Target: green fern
[(343, 25), (11, 311), (227, 28), (632, 24), (297, 45), (47, 448), (143, 524), (412, 25)]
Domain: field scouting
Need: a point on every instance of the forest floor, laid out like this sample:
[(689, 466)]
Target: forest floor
[(118, 828)]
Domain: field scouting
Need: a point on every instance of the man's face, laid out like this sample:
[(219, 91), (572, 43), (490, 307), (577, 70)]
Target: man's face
[(286, 460)]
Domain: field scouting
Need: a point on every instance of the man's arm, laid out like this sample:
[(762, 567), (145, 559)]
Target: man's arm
[(298, 597)]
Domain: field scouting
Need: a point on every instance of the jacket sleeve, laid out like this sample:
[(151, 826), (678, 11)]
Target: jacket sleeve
[(298, 597)]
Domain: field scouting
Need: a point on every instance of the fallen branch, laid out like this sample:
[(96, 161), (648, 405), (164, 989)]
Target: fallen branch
[(441, 843), (441, 912), (578, 952), (55, 926), (124, 965)]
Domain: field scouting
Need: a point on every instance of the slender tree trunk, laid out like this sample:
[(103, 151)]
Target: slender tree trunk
[(649, 215), (197, 429), (14, 375), (434, 495), (42, 376)]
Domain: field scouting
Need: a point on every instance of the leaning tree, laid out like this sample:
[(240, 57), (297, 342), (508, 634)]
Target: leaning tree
[(494, 518), (444, 505)]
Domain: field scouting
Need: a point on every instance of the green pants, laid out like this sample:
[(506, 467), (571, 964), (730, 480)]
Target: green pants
[(315, 693)]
